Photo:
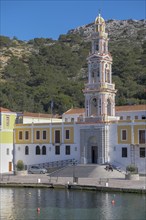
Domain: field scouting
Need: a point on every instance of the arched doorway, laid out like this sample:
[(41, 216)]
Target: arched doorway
[(94, 154), (92, 150)]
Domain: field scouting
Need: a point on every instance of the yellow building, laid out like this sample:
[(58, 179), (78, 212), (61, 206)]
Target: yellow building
[(46, 142), (7, 123)]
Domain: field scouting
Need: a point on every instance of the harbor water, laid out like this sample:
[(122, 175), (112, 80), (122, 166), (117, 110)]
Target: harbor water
[(61, 204)]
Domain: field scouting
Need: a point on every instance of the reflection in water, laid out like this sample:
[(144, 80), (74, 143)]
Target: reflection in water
[(22, 204)]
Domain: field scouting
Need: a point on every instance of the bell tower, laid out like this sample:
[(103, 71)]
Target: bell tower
[(99, 92)]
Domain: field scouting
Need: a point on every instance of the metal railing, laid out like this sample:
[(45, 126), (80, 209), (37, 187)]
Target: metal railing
[(119, 166), (53, 164)]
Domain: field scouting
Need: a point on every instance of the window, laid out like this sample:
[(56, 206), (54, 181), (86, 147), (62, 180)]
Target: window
[(97, 47), (124, 151), (67, 150), (104, 46), (136, 117), (57, 136), (128, 117), (37, 135), (142, 152), (109, 107), (108, 76), (7, 120), (26, 150), (7, 151), (142, 136), (121, 117), (80, 118), (98, 72), (26, 135), (93, 74), (44, 150), (20, 135), (57, 149), (67, 134), (124, 135), (106, 73), (66, 119), (143, 117), (38, 152), (72, 119), (44, 135)]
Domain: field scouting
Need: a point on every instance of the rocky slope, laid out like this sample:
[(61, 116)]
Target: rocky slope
[(117, 30)]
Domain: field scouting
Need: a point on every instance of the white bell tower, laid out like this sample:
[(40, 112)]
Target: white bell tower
[(99, 91)]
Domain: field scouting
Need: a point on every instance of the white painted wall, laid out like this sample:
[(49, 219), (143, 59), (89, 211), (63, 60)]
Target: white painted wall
[(76, 117), (50, 156), (29, 120), (112, 141), (4, 158), (132, 114)]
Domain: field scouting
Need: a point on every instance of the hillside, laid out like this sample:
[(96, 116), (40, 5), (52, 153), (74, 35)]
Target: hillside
[(35, 72)]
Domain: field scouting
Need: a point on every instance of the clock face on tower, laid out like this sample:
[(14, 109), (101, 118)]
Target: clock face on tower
[(94, 65)]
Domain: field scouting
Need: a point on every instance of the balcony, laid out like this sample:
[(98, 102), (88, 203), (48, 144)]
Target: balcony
[(97, 86)]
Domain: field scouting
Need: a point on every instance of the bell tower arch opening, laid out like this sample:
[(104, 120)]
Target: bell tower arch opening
[(109, 106), (94, 106)]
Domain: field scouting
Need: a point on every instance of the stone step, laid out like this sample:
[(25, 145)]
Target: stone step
[(88, 171)]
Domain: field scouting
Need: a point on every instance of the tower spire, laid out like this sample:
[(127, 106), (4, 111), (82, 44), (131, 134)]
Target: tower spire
[(99, 12)]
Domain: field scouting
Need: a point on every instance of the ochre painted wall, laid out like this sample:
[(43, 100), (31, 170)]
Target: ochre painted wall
[(71, 135), (32, 135), (136, 132), (11, 123), (53, 134), (41, 140), (24, 141), (6, 137), (128, 131)]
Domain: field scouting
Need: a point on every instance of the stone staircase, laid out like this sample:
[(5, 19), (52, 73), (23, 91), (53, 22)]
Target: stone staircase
[(87, 171)]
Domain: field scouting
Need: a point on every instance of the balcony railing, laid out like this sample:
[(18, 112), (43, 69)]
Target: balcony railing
[(59, 163), (97, 86)]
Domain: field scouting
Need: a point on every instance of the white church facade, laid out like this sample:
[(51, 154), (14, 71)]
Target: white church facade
[(100, 133)]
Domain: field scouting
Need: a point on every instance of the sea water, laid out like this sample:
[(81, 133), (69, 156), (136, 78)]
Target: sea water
[(63, 204)]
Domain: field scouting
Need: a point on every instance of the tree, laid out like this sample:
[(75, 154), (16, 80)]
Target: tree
[(20, 165)]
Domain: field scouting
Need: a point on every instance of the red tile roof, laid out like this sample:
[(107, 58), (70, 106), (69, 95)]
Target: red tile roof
[(124, 108), (74, 111), (130, 108), (4, 110), (39, 115)]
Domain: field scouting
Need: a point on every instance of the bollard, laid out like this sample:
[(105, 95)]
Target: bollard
[(106, 184)]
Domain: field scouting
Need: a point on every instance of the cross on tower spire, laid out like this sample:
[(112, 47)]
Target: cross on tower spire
[(99, 12)]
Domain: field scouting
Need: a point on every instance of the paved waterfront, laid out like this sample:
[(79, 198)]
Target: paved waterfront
[(86, 175)]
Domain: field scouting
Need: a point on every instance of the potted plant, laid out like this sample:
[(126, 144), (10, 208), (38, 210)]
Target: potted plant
[(132, 172), (20, 168)]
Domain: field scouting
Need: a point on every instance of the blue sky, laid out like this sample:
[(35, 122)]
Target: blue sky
[(28, 19)]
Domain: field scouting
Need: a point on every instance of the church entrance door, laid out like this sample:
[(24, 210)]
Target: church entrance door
[(94, 154)]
